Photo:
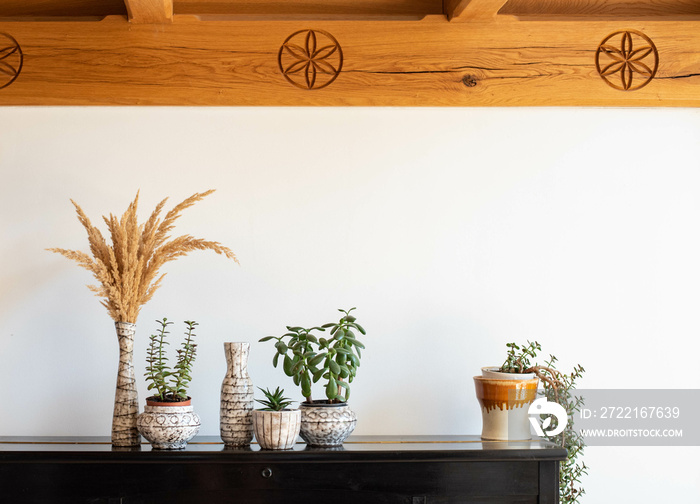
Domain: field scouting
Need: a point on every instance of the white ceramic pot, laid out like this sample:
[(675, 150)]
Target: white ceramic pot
[(168, 426), (504, 407), (324, 424), (276, 430), (493, 373)]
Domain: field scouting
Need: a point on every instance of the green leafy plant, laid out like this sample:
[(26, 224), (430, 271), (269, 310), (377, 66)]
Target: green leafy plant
[(274, 401), (170, 384), (307, 358), (558, 387)]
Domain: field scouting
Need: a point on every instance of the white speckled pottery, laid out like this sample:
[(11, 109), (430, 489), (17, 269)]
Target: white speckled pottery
[(236, 412), (168, 426), (324, 424), (276, 430)]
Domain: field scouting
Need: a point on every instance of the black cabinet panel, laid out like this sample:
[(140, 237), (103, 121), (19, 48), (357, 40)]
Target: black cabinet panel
[(427, 470)]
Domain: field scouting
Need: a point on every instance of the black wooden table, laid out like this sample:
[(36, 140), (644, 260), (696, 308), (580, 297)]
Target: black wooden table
[(366, 470)]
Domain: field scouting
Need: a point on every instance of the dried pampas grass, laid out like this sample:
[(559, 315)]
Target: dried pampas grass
[(127, 270)]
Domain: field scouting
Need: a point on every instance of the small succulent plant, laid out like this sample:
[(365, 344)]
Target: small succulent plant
[(170, 384), (274, 401)]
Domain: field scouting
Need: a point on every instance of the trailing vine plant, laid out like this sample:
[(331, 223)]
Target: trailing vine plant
[(558, 388)]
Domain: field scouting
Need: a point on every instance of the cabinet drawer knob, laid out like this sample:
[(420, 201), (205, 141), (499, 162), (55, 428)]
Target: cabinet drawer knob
[(267, 473)]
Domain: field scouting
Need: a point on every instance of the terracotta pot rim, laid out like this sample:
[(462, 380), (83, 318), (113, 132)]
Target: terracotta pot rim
[(153, 402)]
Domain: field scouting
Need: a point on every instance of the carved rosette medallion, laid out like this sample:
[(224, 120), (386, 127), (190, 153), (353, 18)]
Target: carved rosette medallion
[(310, 59), (11, 59), (627, 60)]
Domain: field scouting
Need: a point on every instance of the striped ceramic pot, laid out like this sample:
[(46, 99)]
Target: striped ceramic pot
[(236, 413), (276, 430)]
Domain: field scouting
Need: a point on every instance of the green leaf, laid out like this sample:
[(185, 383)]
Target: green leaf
[(288, 365), (317, 360), (359, 328), (334, 367), (318, 374), (305, 385), (275, 359), (266, 338), (331, 389), (340, 334), (326, 326)]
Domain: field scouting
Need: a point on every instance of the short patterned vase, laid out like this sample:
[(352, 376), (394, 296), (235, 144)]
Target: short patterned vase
[(236, 413), (504, 407), (324, 424), (276, 430), (168, 426)]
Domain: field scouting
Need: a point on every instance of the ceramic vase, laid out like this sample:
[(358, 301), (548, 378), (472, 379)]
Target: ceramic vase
[(276, 430), (236, 413), (504, 407), (168, 426), (126, 399), (324, 424)]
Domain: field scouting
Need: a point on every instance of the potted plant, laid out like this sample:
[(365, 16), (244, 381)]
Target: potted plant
[(504, 392), (276, 427), (309, 358), (168, 421), (127, 271)]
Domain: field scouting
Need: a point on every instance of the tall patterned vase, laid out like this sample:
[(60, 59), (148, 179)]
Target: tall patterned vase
[(236, 418), (126, 399)]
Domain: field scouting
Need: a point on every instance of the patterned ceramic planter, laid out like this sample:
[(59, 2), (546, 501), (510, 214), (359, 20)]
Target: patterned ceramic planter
[(276, 430), (236, 411), (324, 424), (504, 406), (168, 426)]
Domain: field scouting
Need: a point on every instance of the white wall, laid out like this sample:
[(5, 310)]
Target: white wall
[(453, 231)]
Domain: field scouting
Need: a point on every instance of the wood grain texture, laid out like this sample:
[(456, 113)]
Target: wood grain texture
[(472, 9), (393, 63), (63, 8), (149, 11), (621, 9), (316, 8)]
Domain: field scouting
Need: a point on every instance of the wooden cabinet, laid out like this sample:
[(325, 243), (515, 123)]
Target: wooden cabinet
[(367, 470)]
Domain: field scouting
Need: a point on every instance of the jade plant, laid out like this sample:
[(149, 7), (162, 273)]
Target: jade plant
[(274, 401), (558, 388), (307, 357), (170, 384)]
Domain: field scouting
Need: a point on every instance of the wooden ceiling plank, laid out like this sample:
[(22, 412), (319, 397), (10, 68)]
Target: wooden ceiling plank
[(149, 11), (601, 9), (472, 9), (382, 63)]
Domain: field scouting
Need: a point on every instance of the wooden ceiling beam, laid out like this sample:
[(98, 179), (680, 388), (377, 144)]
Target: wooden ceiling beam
[(472, 9), (149, 11), (432, 62)]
